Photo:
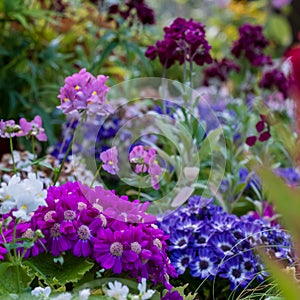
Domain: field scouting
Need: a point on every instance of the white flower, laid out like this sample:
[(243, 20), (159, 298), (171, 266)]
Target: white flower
[(117, 291), (63, 296), (142, 289), (8, 193), (84, 294), (26, 195), (43, 293)]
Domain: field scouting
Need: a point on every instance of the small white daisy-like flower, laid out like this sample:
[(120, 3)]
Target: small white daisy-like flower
[(117, 290)]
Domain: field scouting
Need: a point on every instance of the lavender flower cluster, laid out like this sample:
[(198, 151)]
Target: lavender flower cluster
[(208, 242), (97, 224), (251, 44), (183, 41)]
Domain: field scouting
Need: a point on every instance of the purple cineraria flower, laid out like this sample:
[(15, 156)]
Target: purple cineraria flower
[(172, 296), (96, 223), (110, 160), (233, 271), (290, 175), (211, 249), (82, 91), (251, 44), (109, 250), (181, 261), (275, 78), (8, 129), (33, 128), (204, 264), (184, 41)]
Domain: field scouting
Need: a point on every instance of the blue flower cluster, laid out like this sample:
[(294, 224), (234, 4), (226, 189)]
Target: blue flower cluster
[(210, 242)]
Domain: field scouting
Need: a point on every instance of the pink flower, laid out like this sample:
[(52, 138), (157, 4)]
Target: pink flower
[(110, 160), (82, 91), (145, 161), (33, 128)]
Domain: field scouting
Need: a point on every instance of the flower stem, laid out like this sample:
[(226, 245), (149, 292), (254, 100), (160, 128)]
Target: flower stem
[(97, 173), (12, 154), (67, 152), (64, 160)]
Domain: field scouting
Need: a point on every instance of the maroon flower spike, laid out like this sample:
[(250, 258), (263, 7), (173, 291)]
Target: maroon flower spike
[(263, 128), (260, 126), (264, 136), (251, 140)]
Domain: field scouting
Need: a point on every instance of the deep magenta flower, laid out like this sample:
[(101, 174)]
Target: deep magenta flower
[(263, 129), (275, 79), (144, 13), (33, 128), (220, 70), (172, 296), (109, 250), (184, 41), (110, 160), (251, 44), (83, 92)]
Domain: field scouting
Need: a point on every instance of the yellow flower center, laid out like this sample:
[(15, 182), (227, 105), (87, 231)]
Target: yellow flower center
[(77, 87)]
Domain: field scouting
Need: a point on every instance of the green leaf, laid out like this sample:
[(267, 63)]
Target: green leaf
[(45, 269), (210, 143), (278, 28), (13, 280)]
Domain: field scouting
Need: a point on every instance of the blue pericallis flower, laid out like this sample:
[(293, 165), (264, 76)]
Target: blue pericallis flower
[(204, 264), (207, 241)]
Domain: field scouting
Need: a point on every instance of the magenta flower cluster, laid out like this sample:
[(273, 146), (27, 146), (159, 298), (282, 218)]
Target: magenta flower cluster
[(251, 45), (9, 129), (146, 162), (144, 13), (95, 223), (84, 92), (275, 79), (219, 70), (184, 41)]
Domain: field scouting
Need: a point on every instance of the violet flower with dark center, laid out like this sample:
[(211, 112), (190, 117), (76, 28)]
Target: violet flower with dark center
[(223, 244), (251, 44)]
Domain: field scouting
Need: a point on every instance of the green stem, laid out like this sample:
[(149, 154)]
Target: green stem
[(97, 173), (34, 155), (16, 260), (12, 154), (64, 160), (67, 152)]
